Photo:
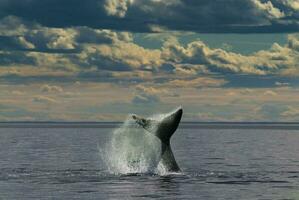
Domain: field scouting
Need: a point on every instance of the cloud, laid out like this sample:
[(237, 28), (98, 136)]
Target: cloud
[(24, 43), (51, 88), (22, 36), (44, 99), (291, 112), (146, 95), (37, 53), (200, 82), (281, 84), (293, 42), (17, 92), (291, 4), (270, 93), (120, 56), (247, 91), (277, 60), (278, 112), (9, 58), (19, 35), (117, 8), (11, 26), (16, 113), (271, 111), (115, 57), (149, 90), (231, 16), (100, 36), (102, 101), (267, 7), (145, 99)]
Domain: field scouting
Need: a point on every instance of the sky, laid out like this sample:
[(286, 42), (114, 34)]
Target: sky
[(100, 60)]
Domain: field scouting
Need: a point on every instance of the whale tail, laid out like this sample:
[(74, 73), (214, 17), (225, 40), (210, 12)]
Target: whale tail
[(163, 129)]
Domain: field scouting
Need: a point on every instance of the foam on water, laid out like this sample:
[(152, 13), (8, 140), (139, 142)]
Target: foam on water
[(131, 149)]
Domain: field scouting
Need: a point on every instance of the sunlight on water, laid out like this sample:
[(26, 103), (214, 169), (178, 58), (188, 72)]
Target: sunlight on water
[(131, 149)]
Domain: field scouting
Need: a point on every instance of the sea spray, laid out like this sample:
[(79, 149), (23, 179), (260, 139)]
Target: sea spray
[(131, 149)]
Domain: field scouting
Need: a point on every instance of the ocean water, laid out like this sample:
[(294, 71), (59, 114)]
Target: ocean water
[(50, 161)]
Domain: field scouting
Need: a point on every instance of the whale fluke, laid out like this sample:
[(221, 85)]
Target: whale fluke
[(163, 129)]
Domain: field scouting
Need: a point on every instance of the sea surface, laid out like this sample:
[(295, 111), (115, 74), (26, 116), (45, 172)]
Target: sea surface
[(218, 161)]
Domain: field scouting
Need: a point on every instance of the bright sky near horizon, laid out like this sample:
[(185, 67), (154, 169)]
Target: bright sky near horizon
[(98, 60)]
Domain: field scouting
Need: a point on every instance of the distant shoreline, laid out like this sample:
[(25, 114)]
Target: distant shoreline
[(184, 125)]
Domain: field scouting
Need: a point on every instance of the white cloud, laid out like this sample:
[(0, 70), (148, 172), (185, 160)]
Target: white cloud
[(281, 84), (291, 112), (146, 95), (268, 8), (100, 50), (292, 4), (44, 99), (270, 93), (11, 25), (17, 92), (277, 60), (24, 43), (200, 82), (117, 8)]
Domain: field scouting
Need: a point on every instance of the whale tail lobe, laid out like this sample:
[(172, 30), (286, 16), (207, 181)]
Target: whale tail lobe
[(168, 125)]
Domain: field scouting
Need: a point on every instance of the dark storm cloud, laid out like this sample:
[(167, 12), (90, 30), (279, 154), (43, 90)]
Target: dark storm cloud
[(218, 16), (66, 13)]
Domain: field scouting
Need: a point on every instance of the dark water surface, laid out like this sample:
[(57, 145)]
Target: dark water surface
[(222, 163)]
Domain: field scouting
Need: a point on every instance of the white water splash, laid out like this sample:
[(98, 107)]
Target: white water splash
[(132, 149)]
